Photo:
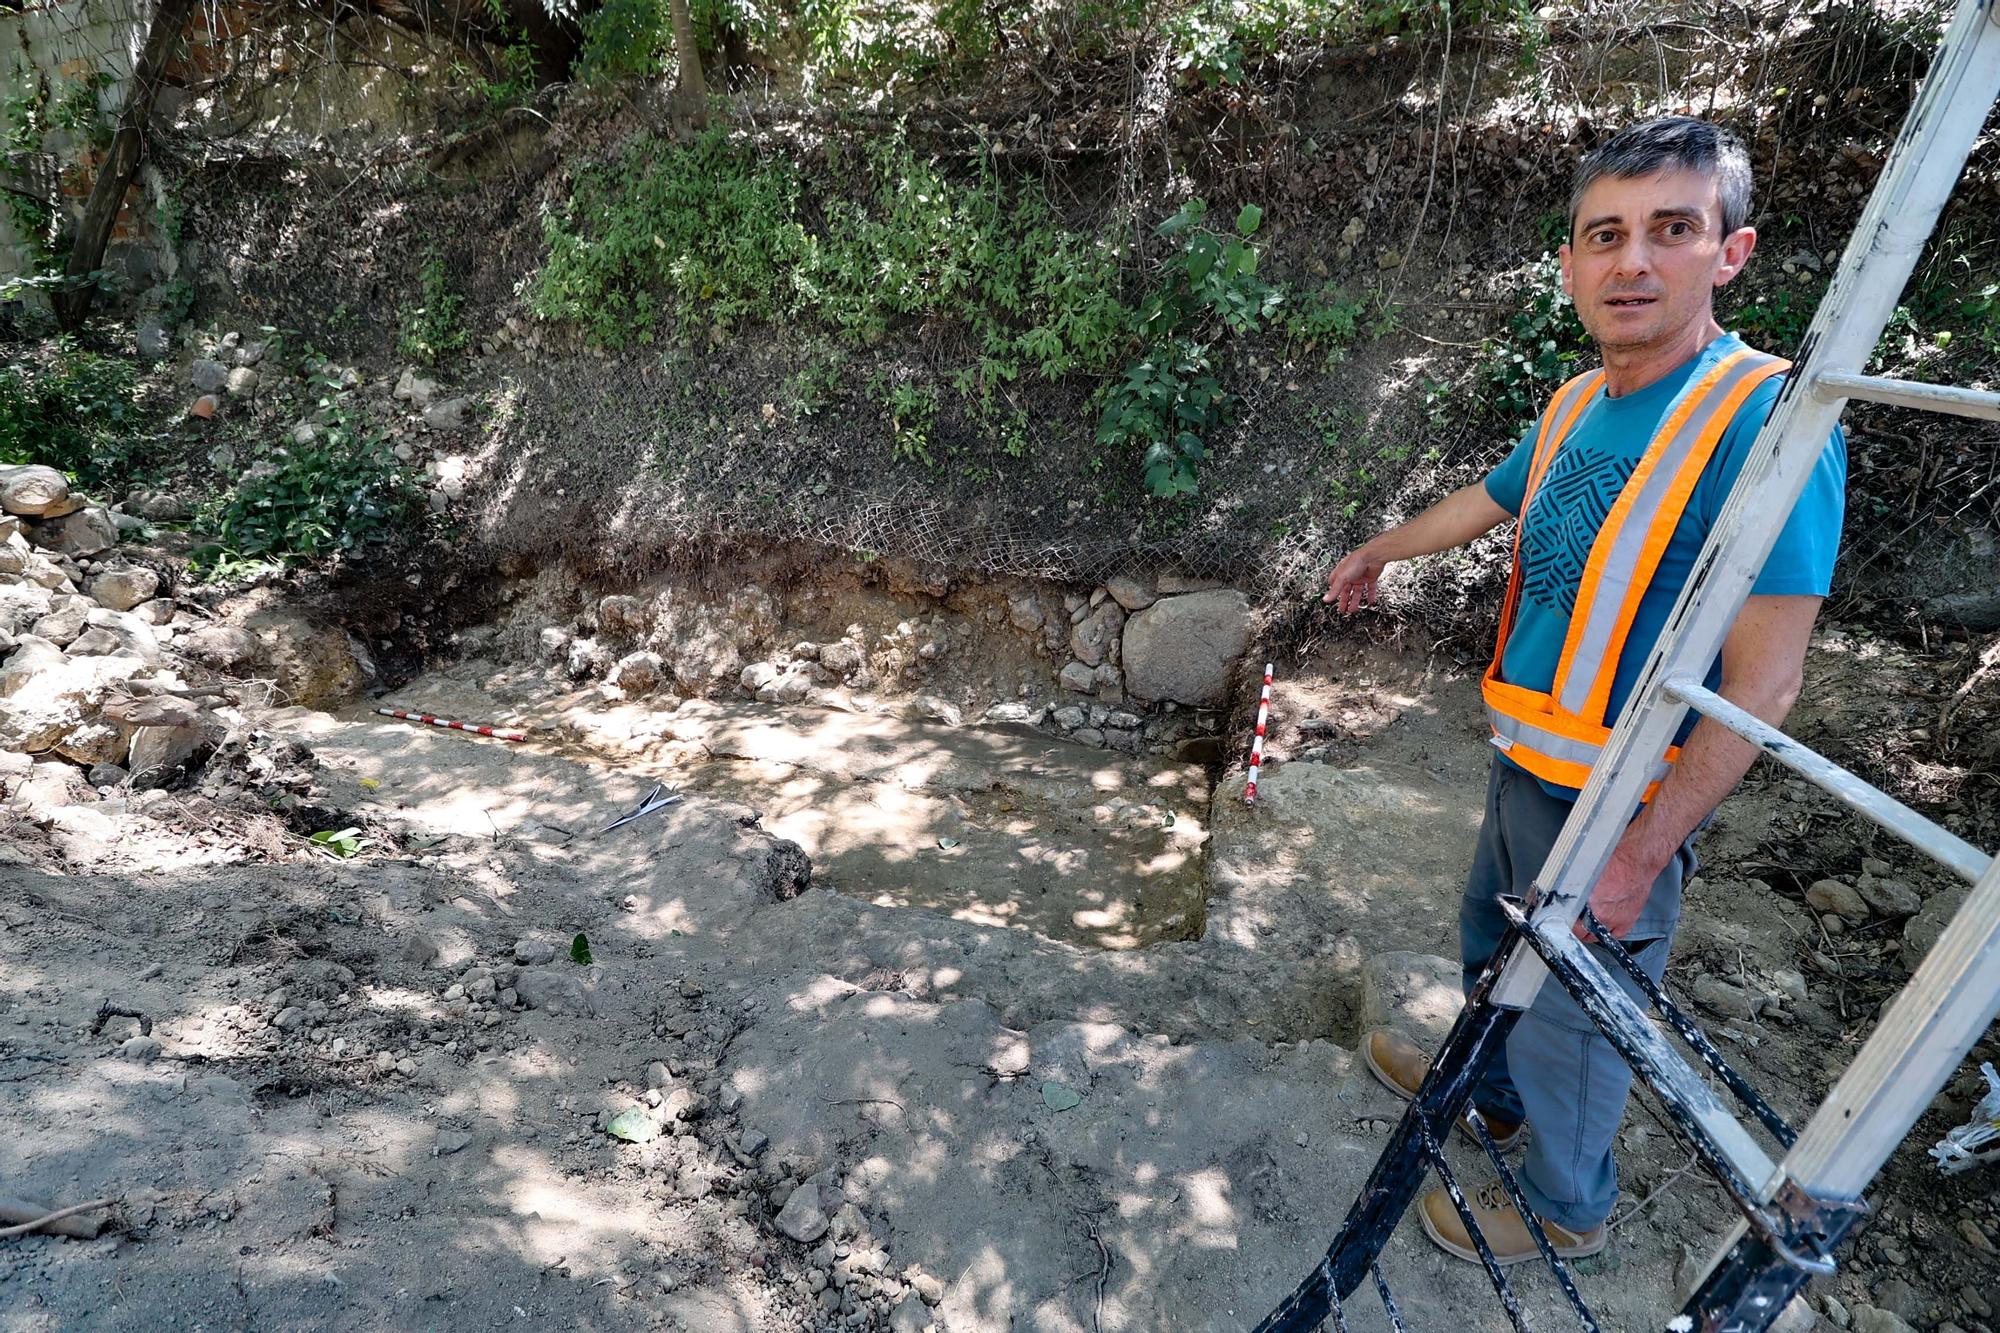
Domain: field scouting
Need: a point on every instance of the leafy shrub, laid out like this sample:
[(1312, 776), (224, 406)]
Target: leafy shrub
[(686, 240), (1211, 274), (507, 78), (913, 411), (624, 39), (869, 44), (1980, 311), (1776, 320), (24, 118), (1388, 17), (1542, 346), (431, 328), (1951, 309), (176, 302), (635, 39), (79, 413), (343, 491), (886, 44), (75, 109), (816, 382), (677, 239), (1214, 39), (1171, 399), (924, 246), (872, 47), (1326, 322), (1208, 43), (668, 235)]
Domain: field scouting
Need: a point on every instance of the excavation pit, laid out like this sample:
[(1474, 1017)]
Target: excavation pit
[(999, 825)]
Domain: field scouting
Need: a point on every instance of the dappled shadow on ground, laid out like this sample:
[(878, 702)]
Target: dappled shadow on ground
[(1002, 826), (274, 1179), (1290, 892), (1067, 1137), (1078, 1175), (922, 1065)]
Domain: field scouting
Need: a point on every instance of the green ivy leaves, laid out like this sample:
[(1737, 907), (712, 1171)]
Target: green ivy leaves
[(340, 491), (1171, 399), (79, 413)]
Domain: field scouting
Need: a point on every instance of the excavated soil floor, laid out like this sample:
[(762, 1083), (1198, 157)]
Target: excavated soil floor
[(1002, 825), (1068, 1047)]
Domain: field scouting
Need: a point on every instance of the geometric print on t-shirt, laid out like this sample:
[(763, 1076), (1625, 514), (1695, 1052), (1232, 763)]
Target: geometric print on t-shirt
[(1563, 521)]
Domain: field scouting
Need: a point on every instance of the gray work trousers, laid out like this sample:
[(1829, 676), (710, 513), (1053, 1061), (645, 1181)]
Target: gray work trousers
[(1557, 1072)]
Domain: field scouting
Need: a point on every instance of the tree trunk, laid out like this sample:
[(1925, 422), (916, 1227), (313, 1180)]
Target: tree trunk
[(691, 96), (121, 164)]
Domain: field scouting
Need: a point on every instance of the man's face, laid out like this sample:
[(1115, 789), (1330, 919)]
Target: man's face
[(1647, 254)]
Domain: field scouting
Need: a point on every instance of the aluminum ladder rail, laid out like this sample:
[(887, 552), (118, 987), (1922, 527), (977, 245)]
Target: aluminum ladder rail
[(1797, 1207)]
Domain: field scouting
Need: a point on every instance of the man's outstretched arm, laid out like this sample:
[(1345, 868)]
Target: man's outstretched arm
[(1763, 662), (1453, 521)]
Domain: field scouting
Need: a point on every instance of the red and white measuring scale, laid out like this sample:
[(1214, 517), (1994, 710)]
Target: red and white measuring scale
[(1257, 744), (498, 733)]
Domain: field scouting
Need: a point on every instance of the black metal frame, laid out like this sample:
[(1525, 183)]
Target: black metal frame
[(1695, 1039), (1481, 1029), (1790, 1240)]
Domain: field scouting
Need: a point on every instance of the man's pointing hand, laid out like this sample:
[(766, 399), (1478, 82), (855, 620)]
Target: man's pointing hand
[(1351, 585)]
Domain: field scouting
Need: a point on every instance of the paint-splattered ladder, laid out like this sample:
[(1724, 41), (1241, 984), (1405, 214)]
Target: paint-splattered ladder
[(1797, 1207)]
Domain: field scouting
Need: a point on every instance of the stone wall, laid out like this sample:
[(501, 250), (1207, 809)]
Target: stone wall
[(236, 75), (1134, 665), (50, 50)]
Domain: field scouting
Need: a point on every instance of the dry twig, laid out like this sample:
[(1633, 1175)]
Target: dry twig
[(36, 1224)]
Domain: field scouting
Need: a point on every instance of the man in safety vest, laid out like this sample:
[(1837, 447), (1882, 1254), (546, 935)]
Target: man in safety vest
[(1617, 486)]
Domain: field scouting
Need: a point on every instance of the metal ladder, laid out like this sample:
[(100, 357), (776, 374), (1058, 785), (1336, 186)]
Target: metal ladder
[(1795, 1209)]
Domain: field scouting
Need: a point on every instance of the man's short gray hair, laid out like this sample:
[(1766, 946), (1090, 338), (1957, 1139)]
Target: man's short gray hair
[(1667, 143)]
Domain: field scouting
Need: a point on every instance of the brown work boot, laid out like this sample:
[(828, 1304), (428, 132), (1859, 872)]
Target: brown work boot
[(1400, 1067), (1500, 1222)]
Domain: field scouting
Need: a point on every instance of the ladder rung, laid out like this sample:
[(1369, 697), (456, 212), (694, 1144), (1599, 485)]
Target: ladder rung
[(1494, 1273), (1830, 385), (1927, 837), (1585, 1319), (1388, 1300)]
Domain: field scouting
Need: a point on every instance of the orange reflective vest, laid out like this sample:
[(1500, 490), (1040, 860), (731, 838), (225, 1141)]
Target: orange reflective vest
[(1558, 735)]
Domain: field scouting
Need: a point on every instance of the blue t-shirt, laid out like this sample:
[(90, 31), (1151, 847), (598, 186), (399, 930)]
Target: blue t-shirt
[(1582, 483)]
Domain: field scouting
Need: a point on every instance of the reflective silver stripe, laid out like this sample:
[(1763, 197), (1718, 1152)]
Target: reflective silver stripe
[(1621, 564), (1556, 746), (1510, 731)]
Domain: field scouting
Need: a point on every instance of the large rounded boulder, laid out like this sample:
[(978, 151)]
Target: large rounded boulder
[(1183, 648)]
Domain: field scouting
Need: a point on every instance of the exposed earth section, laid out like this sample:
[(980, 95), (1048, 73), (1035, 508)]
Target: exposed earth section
[(891, 1022)]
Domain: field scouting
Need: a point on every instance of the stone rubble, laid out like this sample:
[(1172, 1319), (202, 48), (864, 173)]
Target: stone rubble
[(1146, 681), (104, 665)]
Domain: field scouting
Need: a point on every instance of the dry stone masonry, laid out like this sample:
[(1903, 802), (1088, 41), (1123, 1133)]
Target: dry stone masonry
[(1138, 665)]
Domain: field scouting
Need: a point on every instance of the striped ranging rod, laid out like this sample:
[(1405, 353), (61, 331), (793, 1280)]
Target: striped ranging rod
[(1257, 744), (498, 733)]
